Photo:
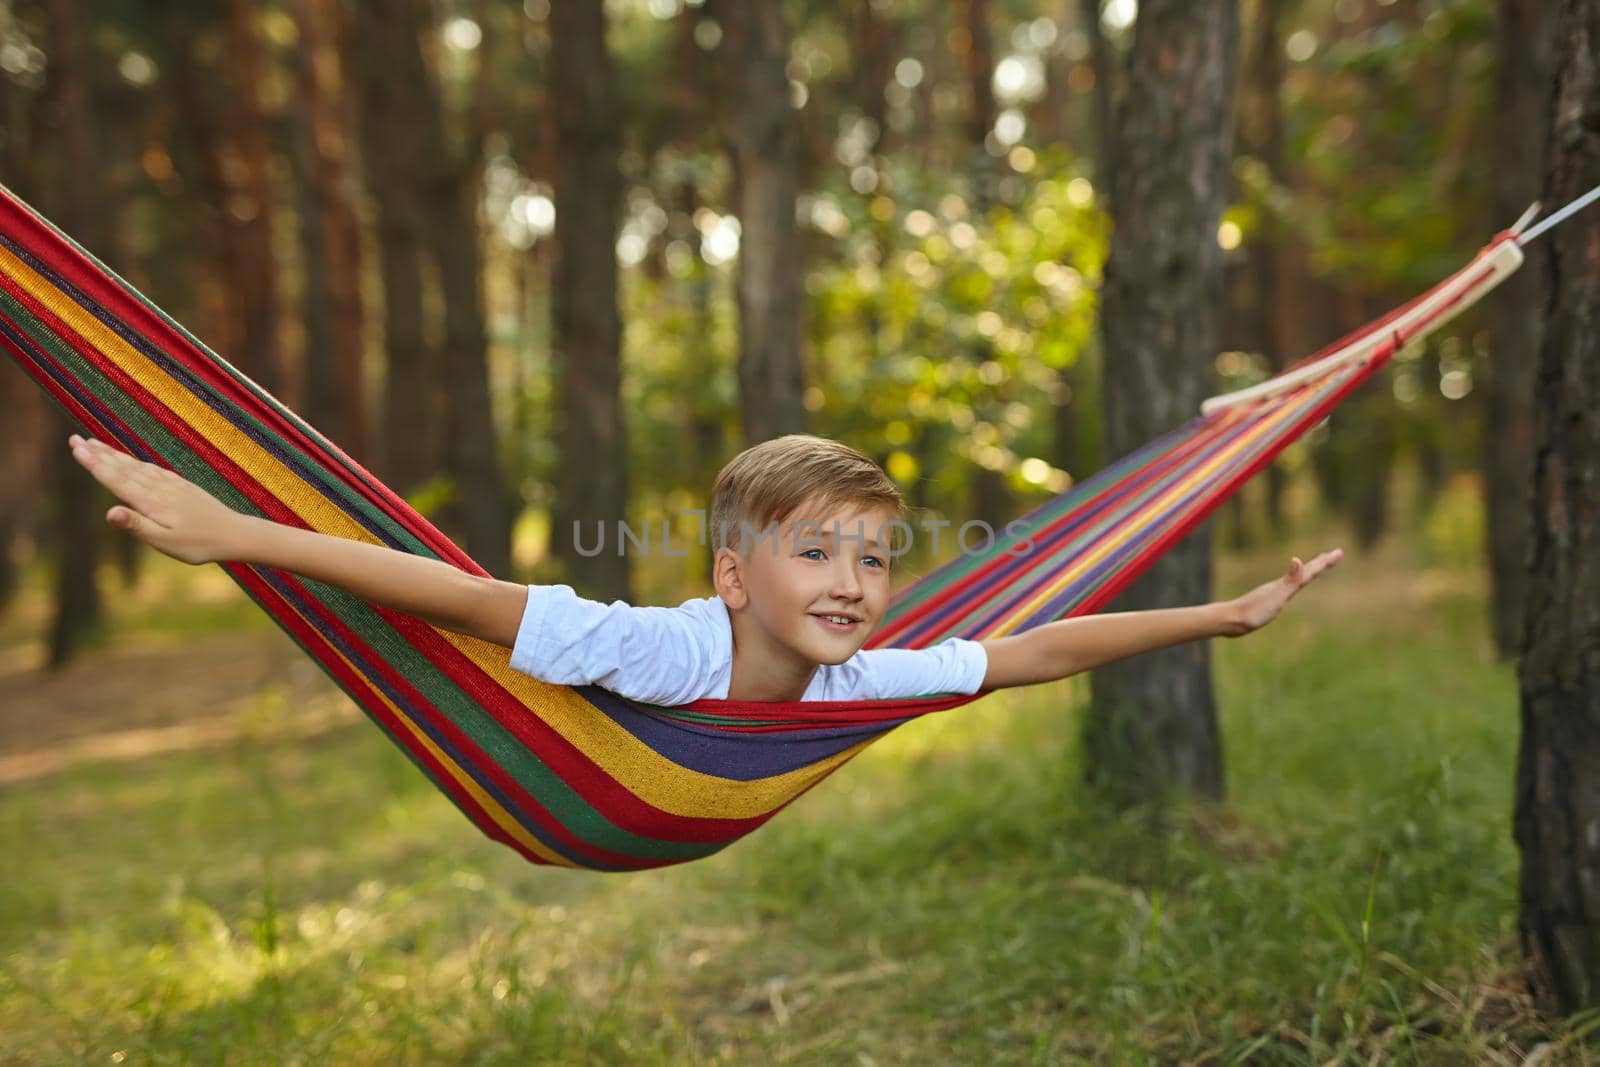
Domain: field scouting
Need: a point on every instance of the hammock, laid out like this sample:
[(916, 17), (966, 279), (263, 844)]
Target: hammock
[(577, 776)]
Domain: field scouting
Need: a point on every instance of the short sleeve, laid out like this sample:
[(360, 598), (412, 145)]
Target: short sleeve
[(657, 655), (955, 665)]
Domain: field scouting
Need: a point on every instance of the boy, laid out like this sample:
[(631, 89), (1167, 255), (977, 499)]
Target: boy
[(801, 552)]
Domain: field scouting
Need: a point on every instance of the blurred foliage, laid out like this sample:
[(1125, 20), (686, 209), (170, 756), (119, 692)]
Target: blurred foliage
[(950, 307)]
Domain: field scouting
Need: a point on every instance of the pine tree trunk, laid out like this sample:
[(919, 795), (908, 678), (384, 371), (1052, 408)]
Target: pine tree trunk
[(1152, 725), (330, 237), (766, 135), (250, 203), (395, 172), (703, 412), (591, 433), (480, 508), (1263, 118), (1522, 91), (77, 532), (1557, 817), (21, 406)]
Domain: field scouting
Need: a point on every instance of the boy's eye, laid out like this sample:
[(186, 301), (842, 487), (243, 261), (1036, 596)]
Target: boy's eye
[(874, 560), (805, 553)]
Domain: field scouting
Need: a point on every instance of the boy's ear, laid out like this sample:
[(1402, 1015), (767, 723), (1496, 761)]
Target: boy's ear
[(728, 580)]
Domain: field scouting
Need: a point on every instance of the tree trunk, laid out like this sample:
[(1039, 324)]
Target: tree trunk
[(1557, 817), (771, 376), (703, 413), (78, 607), (394, 171), (1522, 88), (225, 139), (1262, 117), (119, 143), (480, 507), (1152, 726), (249, 214), (591, 433), (334, 396), (21, 407)]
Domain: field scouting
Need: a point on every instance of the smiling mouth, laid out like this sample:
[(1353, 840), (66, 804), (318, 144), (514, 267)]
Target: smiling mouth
[(839, 623)]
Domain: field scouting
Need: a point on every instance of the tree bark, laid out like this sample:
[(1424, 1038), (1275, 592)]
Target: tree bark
[(766, 158), (1152, 725), (249, 214), (1557, 816), (590, 430), (395, 173), (21, 407), (1262, 116), (78, 606), (1522, 88), (703, 414), (480, 507), (334, 395)]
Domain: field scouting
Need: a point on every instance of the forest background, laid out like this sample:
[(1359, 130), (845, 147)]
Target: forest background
[(442, 230)]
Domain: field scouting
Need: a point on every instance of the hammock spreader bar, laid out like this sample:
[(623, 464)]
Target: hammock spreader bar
[(576, 776)]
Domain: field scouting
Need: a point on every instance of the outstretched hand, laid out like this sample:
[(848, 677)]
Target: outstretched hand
[(1261, 605), (159, 507)]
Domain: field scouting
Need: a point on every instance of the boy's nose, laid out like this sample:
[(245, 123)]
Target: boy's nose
[(845, 581)]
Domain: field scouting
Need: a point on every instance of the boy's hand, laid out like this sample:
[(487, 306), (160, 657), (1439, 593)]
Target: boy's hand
[(1261, 605), (163, 510)]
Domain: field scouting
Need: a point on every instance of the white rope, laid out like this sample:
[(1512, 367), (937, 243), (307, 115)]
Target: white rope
[(1561, 216), (1526, 217)]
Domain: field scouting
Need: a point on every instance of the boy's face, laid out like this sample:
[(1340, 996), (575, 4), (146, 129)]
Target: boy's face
[(816, 566)]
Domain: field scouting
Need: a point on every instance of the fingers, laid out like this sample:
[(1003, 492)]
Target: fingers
[(132, 480), (124, 519), (1319, 564)]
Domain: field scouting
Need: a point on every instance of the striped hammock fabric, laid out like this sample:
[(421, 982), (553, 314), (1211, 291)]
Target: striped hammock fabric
[(576, 776)]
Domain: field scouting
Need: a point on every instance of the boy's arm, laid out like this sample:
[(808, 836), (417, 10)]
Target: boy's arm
[(182, 520), (1068, 646), (430, 589)]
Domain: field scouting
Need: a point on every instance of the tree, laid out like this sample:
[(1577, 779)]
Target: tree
[(330, 233), (480, 506), (247, 169), (427, 192), (1558, 759), (396, 173), (590, 431), (766, 158), (1261, 128), (21, 406), (224, 153), (78, 605), (1522, 85), (1152, 725)]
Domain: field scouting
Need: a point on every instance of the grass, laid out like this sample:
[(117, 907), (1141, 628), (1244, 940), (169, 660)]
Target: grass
[(951, 897)]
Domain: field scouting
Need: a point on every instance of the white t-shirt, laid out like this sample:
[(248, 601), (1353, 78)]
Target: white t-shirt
[(674, 656)]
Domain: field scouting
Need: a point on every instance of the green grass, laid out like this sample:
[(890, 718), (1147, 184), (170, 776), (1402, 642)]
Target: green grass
[(950, 897)]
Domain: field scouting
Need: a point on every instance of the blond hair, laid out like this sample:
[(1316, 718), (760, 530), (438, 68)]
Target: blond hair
[(768, 483)]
